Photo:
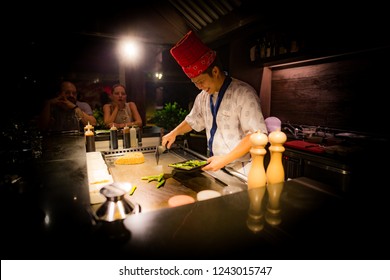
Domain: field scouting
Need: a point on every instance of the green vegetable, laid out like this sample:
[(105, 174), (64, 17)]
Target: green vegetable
[(159, 178), (160, 184), (133, 190), (189, 164)]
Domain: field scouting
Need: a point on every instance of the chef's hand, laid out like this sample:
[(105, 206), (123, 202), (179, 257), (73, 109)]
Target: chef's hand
[(168, 139), (215, 163)]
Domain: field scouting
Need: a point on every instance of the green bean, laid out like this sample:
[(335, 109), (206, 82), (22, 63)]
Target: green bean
[(189, 164), (159, 178)]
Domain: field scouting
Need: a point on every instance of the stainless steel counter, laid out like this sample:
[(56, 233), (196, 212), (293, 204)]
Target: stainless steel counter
[(48, 216), (147, 195)]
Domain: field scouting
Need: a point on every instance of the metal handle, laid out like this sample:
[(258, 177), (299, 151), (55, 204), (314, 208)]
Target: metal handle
[(327, 167), (233, 172)]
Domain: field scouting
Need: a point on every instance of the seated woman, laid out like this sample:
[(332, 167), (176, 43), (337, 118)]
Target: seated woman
[(119, 112)]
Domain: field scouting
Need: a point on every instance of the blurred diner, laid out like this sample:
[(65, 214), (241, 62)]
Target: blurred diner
[(119, 112), (64, 112)]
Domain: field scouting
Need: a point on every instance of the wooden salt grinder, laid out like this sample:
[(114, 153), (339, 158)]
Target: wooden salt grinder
[(275, 176), (275, 169)]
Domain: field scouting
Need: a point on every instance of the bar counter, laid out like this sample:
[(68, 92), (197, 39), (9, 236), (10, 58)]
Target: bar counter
[(48, 216)]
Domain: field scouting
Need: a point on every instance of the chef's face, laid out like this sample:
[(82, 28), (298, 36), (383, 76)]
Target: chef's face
[(205, 82)]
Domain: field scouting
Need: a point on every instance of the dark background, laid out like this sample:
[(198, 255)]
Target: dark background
[(47, 42)]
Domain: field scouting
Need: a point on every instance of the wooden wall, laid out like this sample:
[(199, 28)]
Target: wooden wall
[(347, 92)]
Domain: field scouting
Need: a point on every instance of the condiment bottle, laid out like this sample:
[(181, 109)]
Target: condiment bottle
[(139, 136), (126, 137), (133, 137), (90, 141), (113, 137)]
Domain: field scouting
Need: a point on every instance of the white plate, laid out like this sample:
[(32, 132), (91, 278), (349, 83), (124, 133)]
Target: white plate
[(207, 194)]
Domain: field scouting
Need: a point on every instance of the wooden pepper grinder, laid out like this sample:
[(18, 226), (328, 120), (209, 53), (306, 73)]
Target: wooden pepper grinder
[(275, 176), (275, 169), (256, 176)]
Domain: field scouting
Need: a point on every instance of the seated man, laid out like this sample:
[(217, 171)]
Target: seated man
[(64, 112)]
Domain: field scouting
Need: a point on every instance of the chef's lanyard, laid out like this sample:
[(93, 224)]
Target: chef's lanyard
[(214, 111)]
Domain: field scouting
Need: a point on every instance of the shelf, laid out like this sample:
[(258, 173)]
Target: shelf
[(307, 58)]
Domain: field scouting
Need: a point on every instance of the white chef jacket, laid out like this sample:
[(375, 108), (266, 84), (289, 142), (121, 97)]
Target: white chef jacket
[(239, 115)]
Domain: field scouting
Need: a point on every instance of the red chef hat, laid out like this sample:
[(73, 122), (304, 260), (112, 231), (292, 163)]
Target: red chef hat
[(192, 55)]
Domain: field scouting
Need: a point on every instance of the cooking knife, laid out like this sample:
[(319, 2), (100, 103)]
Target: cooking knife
[(157, 154), (159, 150)]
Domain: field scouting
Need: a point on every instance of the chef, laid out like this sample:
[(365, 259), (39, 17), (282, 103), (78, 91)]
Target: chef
[(227, 108)]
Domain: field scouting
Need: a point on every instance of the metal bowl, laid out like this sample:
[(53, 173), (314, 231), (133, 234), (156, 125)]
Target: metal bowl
[(116, 206)]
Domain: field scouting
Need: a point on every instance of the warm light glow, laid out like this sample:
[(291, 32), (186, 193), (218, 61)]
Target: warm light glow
[(47, 219), (158, 75), (130, 51)]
